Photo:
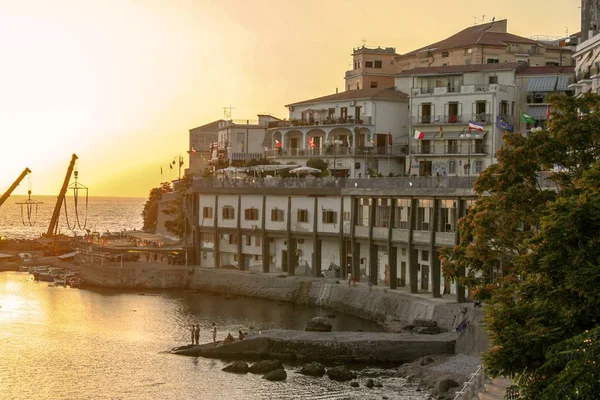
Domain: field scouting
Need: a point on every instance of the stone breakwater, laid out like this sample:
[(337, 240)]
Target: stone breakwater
[(390, 307), (326, 347)]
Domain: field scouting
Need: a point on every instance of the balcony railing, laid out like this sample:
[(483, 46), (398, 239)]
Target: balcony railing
[(482, 117), (368, 120), (492, 87), (360, 151), (449, 149)]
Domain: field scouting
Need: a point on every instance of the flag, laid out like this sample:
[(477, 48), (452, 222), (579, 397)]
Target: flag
[(311, 143), (390, 138), (193, 150), (171, 166), (462, 326), (373, 140), (549, 116), (277, 143), (502, 124), (527, 118), (418, 134), (161, 169), (368, 138), (476, 126), (442, 132)]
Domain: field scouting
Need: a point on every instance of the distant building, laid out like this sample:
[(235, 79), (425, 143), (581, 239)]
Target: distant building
[(371, 68), (488, 43), (199, 150), (240, 141), (359, 132), (587, 67)]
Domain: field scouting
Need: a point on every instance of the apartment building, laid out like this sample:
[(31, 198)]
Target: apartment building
[(240, 141), (445, 102), (387, 231), (587, 68), (371, 68), (359, 132), (488, 43), (535, 86)]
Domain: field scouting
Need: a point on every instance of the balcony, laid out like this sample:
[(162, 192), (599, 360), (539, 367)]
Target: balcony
[(483, 117), (367, 120), (329, 152), (436, 91), (440, 149)]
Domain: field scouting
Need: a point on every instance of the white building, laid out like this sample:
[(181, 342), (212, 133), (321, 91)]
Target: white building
[(240, 141), (587, 69), (443, 100), (364, 131), (387, 231)]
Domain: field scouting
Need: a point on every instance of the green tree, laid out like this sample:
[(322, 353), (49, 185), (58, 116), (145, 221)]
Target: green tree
[(318, 163), (176, 209), (150, 211), (544, 304)]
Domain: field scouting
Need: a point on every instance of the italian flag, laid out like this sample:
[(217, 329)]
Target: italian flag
[(418, 134)]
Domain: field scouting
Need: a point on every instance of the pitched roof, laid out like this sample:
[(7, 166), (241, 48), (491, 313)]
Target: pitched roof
[(390, 94), (547, 70), (459, 69), (490, 34)]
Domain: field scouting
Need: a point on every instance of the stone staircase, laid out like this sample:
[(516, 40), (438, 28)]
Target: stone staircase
[(496, 390)]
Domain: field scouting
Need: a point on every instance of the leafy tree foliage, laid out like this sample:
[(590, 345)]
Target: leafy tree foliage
[(176, 209), (318, 163), (150, 211), (533, 248)]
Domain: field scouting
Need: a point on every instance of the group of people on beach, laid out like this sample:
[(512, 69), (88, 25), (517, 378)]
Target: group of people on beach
[(195, 332)]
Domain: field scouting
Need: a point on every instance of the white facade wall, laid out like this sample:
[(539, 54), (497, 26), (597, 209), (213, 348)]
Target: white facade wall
[(280, 203), (303, 203), (333, 204), (248, 202), (224, 201), (206, 201)]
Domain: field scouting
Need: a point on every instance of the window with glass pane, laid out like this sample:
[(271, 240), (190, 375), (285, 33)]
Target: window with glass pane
[(447, 212), (382, 213), (402, 213), (424, 214), (363, 212)]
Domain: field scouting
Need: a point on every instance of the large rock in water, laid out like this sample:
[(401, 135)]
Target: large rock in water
[(262, 367), (318, 324), (313, 369), (277, 375), (340, 374), (238, 367)]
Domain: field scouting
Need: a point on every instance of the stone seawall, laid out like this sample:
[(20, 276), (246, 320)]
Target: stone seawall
[(386, 306)]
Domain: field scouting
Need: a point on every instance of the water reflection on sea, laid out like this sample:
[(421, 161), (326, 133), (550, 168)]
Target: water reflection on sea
[(62, 343)]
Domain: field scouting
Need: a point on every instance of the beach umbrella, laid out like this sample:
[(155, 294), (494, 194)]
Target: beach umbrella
[(305, 170)]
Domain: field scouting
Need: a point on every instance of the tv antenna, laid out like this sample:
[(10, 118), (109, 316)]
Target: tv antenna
[(227, 113), (474, 20), (364, 42), (483, 18)]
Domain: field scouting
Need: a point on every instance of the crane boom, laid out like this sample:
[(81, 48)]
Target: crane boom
[(16, 183), (53, 227)]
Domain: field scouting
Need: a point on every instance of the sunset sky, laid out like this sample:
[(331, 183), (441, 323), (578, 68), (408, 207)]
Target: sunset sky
[(121, 82)]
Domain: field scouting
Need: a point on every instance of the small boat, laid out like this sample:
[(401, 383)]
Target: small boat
[(74, 282), (43, 277), (60, 280), (67, 257)]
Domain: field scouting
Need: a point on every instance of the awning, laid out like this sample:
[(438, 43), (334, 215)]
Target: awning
[(541, 84), (538, 112), (562, 83)]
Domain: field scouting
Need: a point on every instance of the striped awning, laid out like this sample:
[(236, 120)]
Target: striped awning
[(562, 83), (538, 112), (541, 84)]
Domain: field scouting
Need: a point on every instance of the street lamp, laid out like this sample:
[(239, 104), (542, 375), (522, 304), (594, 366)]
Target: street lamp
[(469, 137), (177, 160), (335, 144)]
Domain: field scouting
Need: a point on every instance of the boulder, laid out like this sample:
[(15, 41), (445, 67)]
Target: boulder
[(318, 324), (313, 369), (262, 367), (276, 375), (445, 384), (427, 360), (238, 367), (369, 383), (340, 374), (354, 384)]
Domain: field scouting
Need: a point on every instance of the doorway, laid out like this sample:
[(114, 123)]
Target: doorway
[(425, 168)]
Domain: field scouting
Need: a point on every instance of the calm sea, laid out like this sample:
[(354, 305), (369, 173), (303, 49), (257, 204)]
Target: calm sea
[(63, 343), (102, 213)]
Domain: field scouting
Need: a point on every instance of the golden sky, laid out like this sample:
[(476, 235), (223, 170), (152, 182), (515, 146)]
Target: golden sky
[(120, 82)]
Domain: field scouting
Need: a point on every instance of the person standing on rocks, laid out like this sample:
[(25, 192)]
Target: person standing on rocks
[(193, 331), (214, 332), (349, 279), (197, 334)]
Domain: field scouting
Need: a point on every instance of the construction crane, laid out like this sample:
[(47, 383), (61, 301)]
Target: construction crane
[(53, 227), (16, 183)]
